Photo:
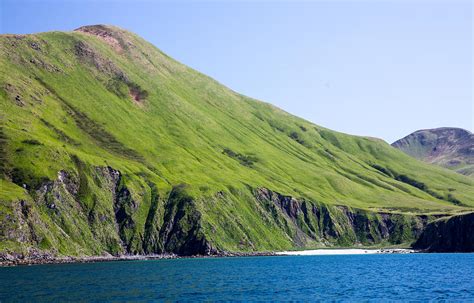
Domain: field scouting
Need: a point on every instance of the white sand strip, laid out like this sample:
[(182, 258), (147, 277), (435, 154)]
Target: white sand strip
[(343, 252)]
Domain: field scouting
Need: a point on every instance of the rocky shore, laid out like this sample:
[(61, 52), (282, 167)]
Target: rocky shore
[(37, 257), (13, 260)]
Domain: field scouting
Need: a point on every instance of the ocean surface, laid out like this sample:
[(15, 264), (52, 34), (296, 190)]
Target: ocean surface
[(346, 278)]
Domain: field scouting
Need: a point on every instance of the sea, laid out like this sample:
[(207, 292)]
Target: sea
[(351, 278)]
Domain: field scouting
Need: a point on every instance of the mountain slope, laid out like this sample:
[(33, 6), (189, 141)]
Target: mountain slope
[(110, 146), (452, 148)]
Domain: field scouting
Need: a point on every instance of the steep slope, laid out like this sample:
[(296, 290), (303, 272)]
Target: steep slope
[(452, 148), (452, 234), (110, 146)]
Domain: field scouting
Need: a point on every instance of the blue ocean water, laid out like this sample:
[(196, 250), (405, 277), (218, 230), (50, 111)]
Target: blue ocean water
[(344, 277)]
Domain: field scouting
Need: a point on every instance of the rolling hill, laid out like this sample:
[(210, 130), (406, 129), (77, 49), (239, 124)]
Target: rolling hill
[(449, 147), (109, 146)]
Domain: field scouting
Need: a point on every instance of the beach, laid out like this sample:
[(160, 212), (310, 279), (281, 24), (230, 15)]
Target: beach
[(349, 251)]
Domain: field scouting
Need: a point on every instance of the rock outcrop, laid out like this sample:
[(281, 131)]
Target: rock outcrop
[(91, 211), (453, 234), (307, 221)]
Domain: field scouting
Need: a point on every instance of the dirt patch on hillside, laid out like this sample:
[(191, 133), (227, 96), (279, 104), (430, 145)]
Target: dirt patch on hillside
[(136, 98), (105, 34), (137, 93)]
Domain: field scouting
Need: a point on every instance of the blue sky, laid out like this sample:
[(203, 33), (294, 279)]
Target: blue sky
[(378, 68)]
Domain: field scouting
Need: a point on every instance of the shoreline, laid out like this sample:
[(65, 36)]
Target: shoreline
[(346, 251), (7, 260)]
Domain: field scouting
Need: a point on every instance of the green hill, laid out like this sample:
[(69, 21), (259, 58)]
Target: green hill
[(449, 147), (107, 145)]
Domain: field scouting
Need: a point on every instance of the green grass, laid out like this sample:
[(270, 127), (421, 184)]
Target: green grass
[(186, 129), (11, 192)]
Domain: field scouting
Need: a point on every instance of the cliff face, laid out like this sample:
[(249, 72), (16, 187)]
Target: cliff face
[(74, 214), (453, 234), (452, 148), (309, 222), (81, 217)]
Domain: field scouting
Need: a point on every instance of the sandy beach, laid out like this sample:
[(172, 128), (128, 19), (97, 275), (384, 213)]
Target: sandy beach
[(350, 251)]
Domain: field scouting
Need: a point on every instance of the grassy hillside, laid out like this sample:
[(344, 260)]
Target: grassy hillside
[(109, 145)]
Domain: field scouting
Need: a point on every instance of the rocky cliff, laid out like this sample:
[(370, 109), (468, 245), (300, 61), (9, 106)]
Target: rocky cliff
[(96, 214), (306, 221), (453, 234)]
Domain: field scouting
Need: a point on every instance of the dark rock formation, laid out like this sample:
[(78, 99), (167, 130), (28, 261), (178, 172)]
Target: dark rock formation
[(181, 232), (94, 207), (453, 234)]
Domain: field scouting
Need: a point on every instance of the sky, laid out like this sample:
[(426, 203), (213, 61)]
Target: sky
[(375, 68)]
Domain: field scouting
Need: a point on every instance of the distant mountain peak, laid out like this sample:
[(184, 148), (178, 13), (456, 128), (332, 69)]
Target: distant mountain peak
[(450, 147), (458, 132)]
